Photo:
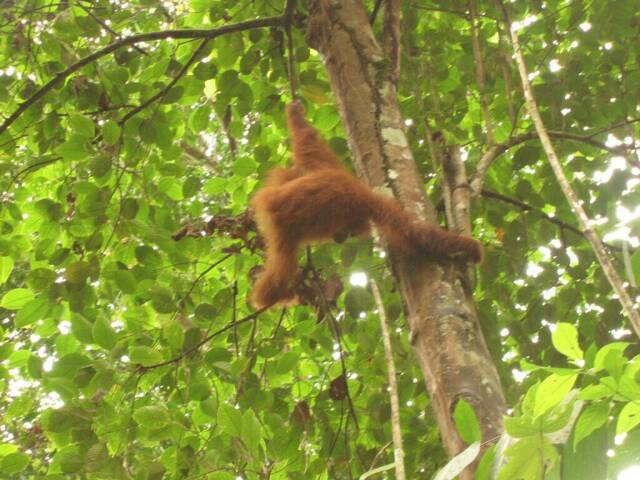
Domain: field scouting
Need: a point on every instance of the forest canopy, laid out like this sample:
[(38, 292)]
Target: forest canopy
[(133, 135)]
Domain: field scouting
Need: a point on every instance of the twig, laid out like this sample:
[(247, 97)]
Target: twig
[(333, 323), (480, 78), (494, 151), (33, 166), (396, 432), (626, 258), (163, 92), (202, 275), (208, 338), (235, 317), (584, 221), (529, 208), (288, 15), (374, 12), (132, 40), (104, 25)]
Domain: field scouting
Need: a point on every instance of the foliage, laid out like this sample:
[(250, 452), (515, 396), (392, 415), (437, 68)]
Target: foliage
[(106, 371)]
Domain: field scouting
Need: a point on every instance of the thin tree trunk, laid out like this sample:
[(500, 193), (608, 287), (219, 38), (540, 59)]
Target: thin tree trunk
[(445, 332), (396, 431)]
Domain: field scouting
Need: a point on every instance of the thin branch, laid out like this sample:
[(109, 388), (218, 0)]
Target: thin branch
[(391, 36), (614, 126), (480, 78), (494, 151), (32, 167), (133, 40), (289, 10), (583, 220), (206, 340), (530, 208), (333, 323), (197, 154), (104, 25), (374, 12), (396, 432), (168, 87), (626, 258)]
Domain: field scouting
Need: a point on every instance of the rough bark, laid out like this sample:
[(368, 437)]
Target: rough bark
[(440, 311)]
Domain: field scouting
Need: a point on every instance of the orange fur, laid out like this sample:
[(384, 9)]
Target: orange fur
[(318, 200)]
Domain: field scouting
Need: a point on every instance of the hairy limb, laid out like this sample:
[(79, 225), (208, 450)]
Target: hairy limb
[(415, 237), (310, 151)]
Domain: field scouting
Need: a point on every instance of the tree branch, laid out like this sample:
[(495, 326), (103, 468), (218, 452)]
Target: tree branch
[(168, 87), (374, 12), (583, 220), (207, 339), (480, 79), (396, 431), (133, 40), (494, 151), (530, 208), (104, 25), (289, 10)]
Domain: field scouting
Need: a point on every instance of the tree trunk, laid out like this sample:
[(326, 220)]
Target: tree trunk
[(441, 314)]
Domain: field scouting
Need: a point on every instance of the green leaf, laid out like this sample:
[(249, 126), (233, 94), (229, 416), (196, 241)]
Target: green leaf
[(7, 448), (152, 416), (528, 458), (629, 417), (230, 419), (588, 460), (286, 362), (210, 407), (126, 281), (31, 312), (81, 328), (466, 422), (591, 418), (111, 132), (251, 431), (215, 186), (565, 340), (16, 299), (82, 126), (205, 71), (104, 335), (6, 266), (96, 458), (190, 187), (14, 463), (68, 365), (129, 208), (100, 166), (552, 391), (78, 272), (199, 119), (73, 149), (174, 334), (522, 426), (244, 166), (615, 348), (144, 356)]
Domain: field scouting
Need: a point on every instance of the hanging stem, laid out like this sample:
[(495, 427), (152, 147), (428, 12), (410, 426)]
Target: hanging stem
[(480, 77), (584, 221), (288, 20), (396, 432)]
